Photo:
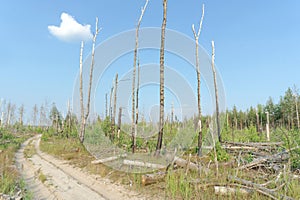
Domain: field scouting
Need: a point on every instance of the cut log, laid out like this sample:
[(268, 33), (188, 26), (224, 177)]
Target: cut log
[(238, 148), (143, 164), (191, 166), (104, 160), (225, 190), (148, 179)]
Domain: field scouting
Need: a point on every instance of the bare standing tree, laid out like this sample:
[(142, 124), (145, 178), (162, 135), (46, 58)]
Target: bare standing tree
[(106, 106), (111, 101), (84, 116), (35, 111), (133, 133), (21, 114), (119, 121), (162, 80), (137, 102), (43, 117), (216, 91), (12, 114), (296, 96), (113, 120), (196, 36), (2, 113), (8, 110)]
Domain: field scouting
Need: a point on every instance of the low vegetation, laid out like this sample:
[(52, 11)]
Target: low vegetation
[(180, 183), (10, 141)]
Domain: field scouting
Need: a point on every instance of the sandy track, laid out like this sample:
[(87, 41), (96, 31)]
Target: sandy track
[(63, 180)]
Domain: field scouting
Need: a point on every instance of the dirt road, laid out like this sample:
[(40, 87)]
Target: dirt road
[(50, 178)]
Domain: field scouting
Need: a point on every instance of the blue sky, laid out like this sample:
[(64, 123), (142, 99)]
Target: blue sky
[(257, 44)]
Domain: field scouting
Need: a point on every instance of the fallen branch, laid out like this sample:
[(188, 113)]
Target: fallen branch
[(143, 164), (265, 191), (104, 160), (279, 157), (227, 190), (254, 144)]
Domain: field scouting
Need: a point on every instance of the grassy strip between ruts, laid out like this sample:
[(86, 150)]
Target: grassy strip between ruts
[(10, 180)]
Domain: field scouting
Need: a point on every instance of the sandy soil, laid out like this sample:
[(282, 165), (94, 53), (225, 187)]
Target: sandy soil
[(63, 180)]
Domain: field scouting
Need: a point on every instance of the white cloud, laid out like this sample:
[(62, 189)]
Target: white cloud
[(70, 30)]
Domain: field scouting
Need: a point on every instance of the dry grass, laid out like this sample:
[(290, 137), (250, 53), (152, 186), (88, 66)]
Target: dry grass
[(29, 150), (177, 184)]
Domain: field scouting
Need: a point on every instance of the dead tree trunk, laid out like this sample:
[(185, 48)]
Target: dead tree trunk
[(113, 120), (268, 127), (297, 113), (119, 121), (21, 113), (162, 79), (111, 101), (196, 36), (85, 116), (133, 76), (106, 105), (137, 103), (216, 91), (257, 123)]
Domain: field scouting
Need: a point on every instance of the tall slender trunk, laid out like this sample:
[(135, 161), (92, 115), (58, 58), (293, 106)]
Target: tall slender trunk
[(216, 91), (106, 105), (120, 119), (85, 116), (133, 132), (82, 125), (137, 104), (297, 112), (21, 112), (196, 36), (257, 123), (111, 102), (268, 127), (162, 79), (113, 121)]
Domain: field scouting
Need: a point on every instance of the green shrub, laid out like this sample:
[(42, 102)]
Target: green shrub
[(222, 155)]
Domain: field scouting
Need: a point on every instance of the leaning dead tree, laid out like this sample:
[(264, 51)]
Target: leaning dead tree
[(133, 132), (162, 79), (216, 91), (196, 36), (84, 116)]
